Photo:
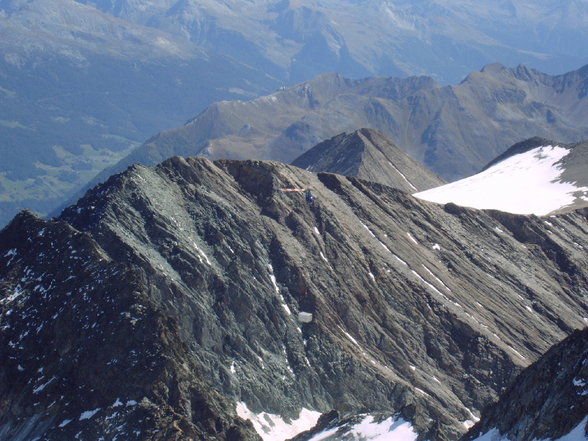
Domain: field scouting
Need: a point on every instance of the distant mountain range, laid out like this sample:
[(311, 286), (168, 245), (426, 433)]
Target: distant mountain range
[(454, 130), (300, 39), (82, 83)]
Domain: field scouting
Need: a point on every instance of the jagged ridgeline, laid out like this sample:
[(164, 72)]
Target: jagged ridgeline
[(171, 299)]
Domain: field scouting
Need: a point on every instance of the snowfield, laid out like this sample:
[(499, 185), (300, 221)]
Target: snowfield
[(526, 183)]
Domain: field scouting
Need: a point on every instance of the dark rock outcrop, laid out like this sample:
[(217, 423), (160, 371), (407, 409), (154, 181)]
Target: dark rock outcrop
[(547, 401), (168, 294), (368, 154)]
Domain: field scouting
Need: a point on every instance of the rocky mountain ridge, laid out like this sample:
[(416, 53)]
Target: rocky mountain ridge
[(235, 292)]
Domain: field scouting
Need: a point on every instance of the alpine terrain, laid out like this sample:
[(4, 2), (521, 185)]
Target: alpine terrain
[(454, 130), (83, 82), (199, 300)]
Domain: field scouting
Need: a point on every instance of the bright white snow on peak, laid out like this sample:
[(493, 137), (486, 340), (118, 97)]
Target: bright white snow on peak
[(526, 183)]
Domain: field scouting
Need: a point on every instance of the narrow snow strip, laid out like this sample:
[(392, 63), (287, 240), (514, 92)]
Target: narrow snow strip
[(285, 306), (429, 285), (44, 385), (89, 414), (402, 175), (350, 337), (385, 247), (399, 259), (201, 254), (273, 427), (527, 183), (273, 278), (412, 238), (436, 278), (366, 227)]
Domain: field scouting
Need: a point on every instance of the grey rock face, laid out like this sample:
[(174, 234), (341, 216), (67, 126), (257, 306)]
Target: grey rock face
[(548, 400), (368, 154), (87, 351), (417, 309)]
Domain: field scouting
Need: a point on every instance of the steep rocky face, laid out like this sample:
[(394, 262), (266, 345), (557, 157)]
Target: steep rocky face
[(547, 401), (368, 154), (454, 131), (366, 300), (88, 352)]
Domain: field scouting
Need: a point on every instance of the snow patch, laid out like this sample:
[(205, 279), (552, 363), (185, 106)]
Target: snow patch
[(304, 317), (366, 227), (275, 428), (89, 414), (370, 430), (527, 183)]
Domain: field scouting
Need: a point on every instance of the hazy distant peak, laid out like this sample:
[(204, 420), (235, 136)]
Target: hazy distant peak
[(493, 68)]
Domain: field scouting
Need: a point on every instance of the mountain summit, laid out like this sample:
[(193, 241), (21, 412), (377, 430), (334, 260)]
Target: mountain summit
[(178, 301), (368, 154)]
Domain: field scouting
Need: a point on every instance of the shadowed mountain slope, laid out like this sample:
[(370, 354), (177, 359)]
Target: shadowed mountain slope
[(547, 401), (169, 298), (368, 154)]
